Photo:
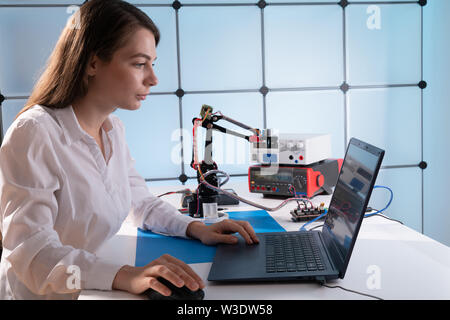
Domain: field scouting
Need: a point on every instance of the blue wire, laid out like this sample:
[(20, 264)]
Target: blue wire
[(365, 216), (315, 219), (387, 206)]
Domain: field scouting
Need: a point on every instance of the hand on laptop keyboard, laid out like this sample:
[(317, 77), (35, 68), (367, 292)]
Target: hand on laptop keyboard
[(221, 232)]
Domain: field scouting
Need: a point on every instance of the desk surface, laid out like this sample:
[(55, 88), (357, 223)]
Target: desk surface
[(389, 260)]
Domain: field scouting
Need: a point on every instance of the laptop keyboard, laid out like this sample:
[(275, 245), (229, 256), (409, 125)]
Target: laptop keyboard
[(295, 252)]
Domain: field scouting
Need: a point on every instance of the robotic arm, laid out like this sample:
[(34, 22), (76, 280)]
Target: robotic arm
[(205, 194), (207, 121)]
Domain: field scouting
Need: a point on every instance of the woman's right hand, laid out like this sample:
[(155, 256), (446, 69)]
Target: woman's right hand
[(138, 279)]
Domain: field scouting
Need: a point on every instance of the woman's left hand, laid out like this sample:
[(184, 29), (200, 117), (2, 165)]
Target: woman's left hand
[(220, 232)]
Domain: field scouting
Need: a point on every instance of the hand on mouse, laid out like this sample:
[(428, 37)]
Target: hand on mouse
[(138, 279), (220, 232)]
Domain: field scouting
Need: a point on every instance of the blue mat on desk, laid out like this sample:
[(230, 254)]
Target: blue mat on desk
[(150, 246)]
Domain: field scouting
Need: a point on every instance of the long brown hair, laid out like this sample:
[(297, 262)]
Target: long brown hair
[(99, 27)]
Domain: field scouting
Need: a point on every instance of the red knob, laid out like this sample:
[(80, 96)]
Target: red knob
[(320, 180)]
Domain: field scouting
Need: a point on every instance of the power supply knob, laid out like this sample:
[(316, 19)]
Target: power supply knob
[(300, 145), (320, 180)]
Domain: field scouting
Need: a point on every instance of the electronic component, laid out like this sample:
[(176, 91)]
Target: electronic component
[(223, 199), (288, 181), (305, 212), (291, 148), (296, 149)]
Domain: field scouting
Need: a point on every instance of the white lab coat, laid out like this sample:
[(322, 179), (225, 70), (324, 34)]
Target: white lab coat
[(60, 200)]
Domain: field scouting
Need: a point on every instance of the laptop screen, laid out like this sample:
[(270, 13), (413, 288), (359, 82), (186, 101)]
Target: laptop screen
[(351, 195)]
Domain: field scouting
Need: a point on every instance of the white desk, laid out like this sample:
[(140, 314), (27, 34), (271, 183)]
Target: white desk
[(410, 265)]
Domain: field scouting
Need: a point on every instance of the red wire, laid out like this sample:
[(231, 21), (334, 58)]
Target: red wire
[(193, 140), (166, 194), (198, 200)]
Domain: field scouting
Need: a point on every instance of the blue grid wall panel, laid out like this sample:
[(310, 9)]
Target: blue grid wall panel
[(383, 44), (153, 136), (27, 37), (390, 119)]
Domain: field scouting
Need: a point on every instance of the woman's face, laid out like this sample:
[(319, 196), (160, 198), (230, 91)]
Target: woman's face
[(126, 80)]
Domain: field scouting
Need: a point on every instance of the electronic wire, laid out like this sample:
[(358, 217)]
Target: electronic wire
[(377, 213), (254, 204), (388, 204), (352, 291)]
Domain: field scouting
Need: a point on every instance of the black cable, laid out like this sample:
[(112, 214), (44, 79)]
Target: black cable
[(184, 191), (383, 216), (352, 291), (378, 214), (320, 225)]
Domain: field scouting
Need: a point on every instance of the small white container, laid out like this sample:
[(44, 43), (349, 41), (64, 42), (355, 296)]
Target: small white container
[(210, 210)]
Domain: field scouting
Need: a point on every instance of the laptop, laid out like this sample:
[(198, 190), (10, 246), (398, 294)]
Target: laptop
[(318, 255)]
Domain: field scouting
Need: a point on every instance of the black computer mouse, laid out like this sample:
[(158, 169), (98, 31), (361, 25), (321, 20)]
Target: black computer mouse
[(183, 293)]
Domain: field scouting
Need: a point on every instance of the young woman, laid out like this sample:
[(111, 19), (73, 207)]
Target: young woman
[(67, 179)]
